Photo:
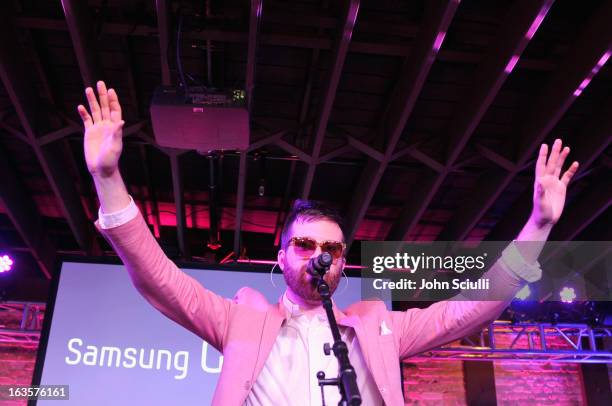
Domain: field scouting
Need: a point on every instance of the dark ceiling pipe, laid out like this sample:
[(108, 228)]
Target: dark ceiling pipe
[(213, 204), (209, 76)]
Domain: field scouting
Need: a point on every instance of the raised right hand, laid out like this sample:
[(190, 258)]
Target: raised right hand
[(103, 131)]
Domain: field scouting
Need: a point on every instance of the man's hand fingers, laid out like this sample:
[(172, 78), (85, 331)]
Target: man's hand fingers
[(115, 107), (541, 163), (564, 153), (102, 92), (569, 174), (118, 128), (551, 165), (87, 120), (94, 107)]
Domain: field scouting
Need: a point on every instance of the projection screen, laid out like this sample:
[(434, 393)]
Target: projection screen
[(112, 347)]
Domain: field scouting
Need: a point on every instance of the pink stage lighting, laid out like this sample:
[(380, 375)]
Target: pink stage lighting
[(567, 295), (6, 263)]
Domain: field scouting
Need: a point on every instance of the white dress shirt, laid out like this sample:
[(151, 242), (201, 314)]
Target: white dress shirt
[(289, 376)]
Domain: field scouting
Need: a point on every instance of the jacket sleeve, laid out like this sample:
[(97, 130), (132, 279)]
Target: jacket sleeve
[(446, 321), (171, 291)]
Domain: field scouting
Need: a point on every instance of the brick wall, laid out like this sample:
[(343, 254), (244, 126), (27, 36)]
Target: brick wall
[(537, 383), (429, 382), (426, 382), (16, 368), (16, 362)]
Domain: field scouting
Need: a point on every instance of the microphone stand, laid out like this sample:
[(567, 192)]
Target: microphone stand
[(347, 378)]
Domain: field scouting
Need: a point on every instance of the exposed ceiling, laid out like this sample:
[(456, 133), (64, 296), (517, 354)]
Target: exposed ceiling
[(418, 119)]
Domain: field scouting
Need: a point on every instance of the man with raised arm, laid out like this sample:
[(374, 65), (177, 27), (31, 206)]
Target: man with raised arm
[(273, 351)]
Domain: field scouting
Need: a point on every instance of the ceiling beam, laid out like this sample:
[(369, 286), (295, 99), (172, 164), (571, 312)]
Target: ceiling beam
[(328, 96), (284, 207), (163, 32), (591, 203), (301, 41), (414, 73), (598, 231), (582, 62), (521, 23), (586, 146), (71, 128), (40, 58), (254, 21), (32, 118), (311, 74), (81, 28), (242, 167), (24, 215), (151, 188), (129, 70), (284, 40), (255, 16), (37, 58), (134, 114), (588, 207), (14, 132)]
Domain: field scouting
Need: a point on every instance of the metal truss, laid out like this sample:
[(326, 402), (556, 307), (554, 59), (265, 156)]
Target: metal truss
[(28, 332), (532, 342), (502, 340)]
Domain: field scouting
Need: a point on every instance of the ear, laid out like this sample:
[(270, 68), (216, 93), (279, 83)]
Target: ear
[(341, 263), (280, 258)]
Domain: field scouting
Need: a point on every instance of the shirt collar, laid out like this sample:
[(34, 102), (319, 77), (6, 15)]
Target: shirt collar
[(286, 307), (294, 310)]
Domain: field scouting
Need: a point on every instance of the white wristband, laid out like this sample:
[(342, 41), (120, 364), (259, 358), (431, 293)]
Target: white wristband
[(514, 262), (119, 217)]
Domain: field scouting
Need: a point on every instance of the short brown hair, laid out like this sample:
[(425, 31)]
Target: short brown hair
[(309, 210)]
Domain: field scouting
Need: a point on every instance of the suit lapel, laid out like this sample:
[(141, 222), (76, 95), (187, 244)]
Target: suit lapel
[(373, 354), (272, 324)]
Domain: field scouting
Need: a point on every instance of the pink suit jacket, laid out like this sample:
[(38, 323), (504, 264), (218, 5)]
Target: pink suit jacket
[(244, 329)]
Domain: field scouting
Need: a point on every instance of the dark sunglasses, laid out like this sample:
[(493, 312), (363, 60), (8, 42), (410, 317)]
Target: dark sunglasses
[(306, 246)]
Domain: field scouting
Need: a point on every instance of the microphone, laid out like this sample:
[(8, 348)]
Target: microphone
[(319, 266)]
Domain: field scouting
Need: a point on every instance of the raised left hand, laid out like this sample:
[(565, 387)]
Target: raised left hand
[(550, 187)]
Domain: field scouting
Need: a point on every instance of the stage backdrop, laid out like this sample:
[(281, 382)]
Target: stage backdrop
[(111, 347)]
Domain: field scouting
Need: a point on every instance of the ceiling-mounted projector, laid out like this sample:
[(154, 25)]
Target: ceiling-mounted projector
[(203, 119)]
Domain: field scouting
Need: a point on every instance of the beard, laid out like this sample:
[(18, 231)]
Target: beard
[(305, 285)]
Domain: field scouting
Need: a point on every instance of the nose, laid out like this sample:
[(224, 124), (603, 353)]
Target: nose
[(316, 252)]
